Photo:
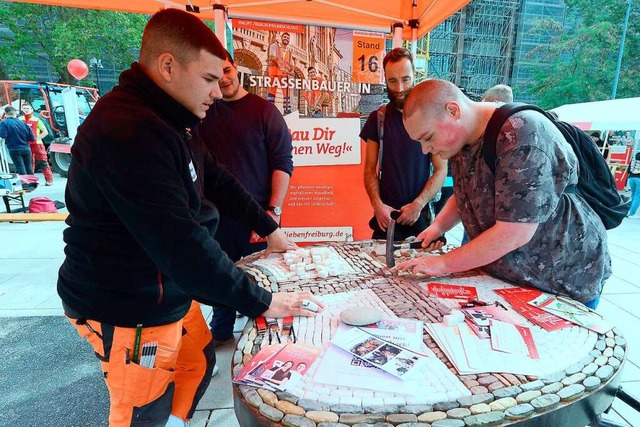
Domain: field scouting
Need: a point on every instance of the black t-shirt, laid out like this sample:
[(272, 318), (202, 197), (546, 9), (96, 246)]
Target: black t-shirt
[(405, 170)]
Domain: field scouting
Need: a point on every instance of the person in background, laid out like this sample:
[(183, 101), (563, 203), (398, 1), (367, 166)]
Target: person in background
[(39, 159), (249, 136), (627, 140), (404, 181), (595, 135), (634, 184), (498, 93), (17, 136), (524, 228), (143, 196)]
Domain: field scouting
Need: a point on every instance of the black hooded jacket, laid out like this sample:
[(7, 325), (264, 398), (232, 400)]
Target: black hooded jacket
[(139, 246)]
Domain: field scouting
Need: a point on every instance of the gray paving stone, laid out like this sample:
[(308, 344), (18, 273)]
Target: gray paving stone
[(618, 352), (445, 406), (270, 412), (608, 352), (614, 362), (590, 369), (347, 409), (361, 418), (587, 359), (554, 378), (528, 396), (414, 425), (458, 413), (475, 399), (415, 409), (545, 402), (512, 391), (322, 416), (610, 342), (574, 379), (600, 345), (402, 418), (519, 411), (571, 392), (448, 423), (489, 419), (332, 425), (533, 385), (595, 353), (591, 383), (283, 395), (605, 372), (601, 361), (551, 388), (620, 341), (251, 396), (297, 421), (313, 405), (381, 409), (573, 369)]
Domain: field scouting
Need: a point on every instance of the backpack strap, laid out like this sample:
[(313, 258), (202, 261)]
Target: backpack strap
[(380, 114), (496, 122)]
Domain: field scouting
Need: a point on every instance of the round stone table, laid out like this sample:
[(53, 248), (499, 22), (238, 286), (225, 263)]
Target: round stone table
[(582, 388)]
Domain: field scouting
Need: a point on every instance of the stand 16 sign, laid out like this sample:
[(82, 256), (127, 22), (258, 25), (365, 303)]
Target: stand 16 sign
[(368, 50)]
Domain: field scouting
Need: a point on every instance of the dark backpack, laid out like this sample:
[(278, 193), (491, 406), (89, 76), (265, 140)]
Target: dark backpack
[(595, 181)]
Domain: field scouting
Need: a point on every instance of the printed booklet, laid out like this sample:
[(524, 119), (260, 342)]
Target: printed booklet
[(279, 366)]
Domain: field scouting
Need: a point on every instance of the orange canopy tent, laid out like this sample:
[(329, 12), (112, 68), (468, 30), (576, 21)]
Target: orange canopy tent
[(373, 15)]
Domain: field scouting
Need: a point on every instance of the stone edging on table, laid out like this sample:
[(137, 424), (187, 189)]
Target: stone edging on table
[(496, 398)]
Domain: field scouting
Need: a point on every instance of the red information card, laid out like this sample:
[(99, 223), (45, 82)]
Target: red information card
[(443, 290)]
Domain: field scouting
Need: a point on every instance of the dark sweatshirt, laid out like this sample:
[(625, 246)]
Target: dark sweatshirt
[(138, 247), (16, 134)]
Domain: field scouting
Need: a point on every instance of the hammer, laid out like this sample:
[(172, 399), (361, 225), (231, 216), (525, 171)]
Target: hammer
[(391, 246)]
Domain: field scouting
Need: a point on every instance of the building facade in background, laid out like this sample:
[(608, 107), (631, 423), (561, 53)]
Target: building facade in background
[(490, 42), (486, 43)]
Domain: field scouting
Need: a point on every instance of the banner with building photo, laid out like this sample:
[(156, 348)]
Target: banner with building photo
[(325, 81)]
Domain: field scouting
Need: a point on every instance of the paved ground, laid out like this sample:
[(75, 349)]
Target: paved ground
[(48, 377)]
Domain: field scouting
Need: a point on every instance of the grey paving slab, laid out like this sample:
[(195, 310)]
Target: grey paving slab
[(629, 414), (49, 377)]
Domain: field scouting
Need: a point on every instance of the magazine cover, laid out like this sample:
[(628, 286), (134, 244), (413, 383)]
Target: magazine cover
[(278, 367)]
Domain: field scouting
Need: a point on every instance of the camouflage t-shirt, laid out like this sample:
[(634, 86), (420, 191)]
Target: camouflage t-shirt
[(568, 253)]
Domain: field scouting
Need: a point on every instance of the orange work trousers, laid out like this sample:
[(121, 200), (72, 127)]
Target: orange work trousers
[(39, 159), (147, 396)]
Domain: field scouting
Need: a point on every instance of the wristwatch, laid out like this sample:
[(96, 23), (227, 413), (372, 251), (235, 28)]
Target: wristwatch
[(277, 210)]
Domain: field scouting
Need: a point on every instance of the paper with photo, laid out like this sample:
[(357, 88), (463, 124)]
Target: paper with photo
[(395, 360)]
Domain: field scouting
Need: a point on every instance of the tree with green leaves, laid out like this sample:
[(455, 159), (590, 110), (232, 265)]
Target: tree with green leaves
[(579, 64), (59, 34)]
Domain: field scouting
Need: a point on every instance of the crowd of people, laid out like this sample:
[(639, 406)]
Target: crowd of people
[(23, 138), (179, 171)]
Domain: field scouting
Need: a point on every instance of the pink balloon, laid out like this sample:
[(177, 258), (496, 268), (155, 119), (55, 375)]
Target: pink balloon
[(78, 69)]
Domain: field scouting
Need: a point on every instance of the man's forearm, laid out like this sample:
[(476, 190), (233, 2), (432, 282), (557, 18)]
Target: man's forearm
[(371, 184), (489, 246), (434, 183), (279, 187)]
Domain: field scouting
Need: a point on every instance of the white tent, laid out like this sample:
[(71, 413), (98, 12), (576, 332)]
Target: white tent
[(615, 114)]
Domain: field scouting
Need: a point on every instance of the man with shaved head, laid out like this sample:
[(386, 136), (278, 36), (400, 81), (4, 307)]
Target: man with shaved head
[(524, 228), (144, 199)]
